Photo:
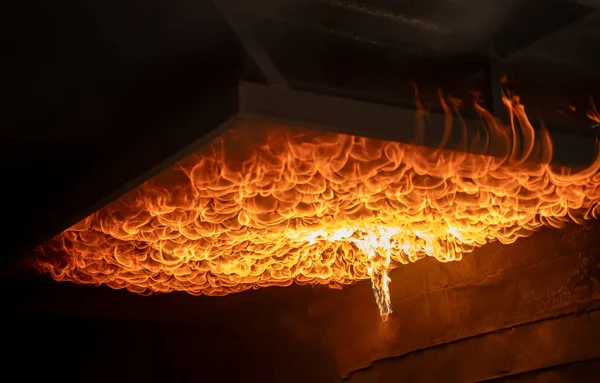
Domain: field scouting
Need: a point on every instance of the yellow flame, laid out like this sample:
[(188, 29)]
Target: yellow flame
[(274, 206)]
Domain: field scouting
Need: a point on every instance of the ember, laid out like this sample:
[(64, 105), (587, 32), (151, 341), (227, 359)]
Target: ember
[(276, 206)]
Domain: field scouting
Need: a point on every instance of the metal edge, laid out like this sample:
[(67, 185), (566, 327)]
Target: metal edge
[(391, 123)]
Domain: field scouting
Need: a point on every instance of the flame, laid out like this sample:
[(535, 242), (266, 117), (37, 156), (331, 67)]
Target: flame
[(271, 206), (593, 114)]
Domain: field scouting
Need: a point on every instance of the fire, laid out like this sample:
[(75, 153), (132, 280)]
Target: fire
[(274, 206), (593, 114)]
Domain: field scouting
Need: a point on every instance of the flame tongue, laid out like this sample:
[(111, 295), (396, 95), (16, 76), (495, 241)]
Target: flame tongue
[(376, 244), (380, 282)]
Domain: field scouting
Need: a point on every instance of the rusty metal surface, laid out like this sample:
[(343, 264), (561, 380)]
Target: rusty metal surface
[(551, 273), (586, 371), (530, 347), (496, 290)]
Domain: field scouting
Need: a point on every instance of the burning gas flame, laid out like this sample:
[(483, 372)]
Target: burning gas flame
[(593, 114), (276, 206)]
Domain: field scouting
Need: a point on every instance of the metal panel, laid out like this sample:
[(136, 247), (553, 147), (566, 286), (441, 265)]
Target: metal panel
[(388, 122)]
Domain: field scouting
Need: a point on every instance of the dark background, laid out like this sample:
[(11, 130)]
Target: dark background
[(100, 92)]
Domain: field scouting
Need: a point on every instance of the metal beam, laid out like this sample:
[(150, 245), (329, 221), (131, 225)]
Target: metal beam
[(241, 28), (523, 51), (493, 75), (154, 153), (386, 122)]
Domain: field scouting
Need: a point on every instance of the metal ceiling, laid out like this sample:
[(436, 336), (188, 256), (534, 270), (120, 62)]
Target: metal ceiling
[(375, 49)]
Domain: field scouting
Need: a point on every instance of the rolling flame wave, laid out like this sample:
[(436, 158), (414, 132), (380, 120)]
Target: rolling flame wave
[(275, 206)]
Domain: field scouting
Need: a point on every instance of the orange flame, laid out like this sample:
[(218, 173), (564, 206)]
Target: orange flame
[(276, 206), (593, 114)]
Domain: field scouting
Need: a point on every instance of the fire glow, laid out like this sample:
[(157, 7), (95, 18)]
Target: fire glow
[(274, 206)]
